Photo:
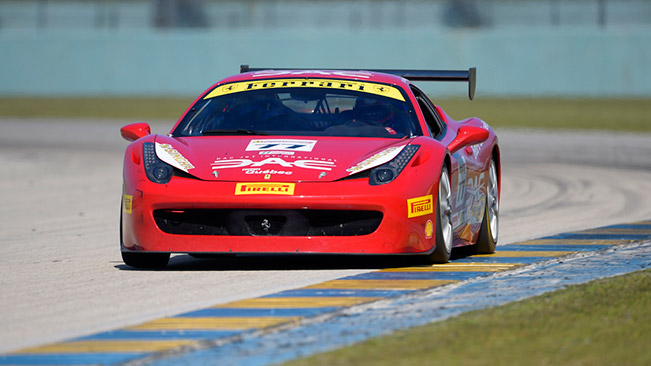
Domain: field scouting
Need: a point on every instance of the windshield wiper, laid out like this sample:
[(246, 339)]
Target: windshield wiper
[(237, 132)]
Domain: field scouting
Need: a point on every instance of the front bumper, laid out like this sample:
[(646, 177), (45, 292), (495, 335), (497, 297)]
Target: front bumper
[(396, 232)]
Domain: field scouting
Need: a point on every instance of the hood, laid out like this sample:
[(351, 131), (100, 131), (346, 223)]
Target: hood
[(275, 159)]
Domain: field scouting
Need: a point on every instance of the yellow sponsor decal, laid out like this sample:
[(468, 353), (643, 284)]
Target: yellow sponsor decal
[(420, 206), (380, 158), (360, 86), (127, 203), (265, 188), (177, 157)]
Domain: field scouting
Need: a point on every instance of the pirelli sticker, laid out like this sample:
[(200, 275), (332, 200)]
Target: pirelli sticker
[(420, 206), (265, 188), (353, 85)]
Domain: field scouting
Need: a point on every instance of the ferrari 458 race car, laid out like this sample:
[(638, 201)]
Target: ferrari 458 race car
[(312, 161)]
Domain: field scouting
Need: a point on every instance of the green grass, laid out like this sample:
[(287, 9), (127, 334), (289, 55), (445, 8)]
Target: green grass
[(553, 113), (603, 322)]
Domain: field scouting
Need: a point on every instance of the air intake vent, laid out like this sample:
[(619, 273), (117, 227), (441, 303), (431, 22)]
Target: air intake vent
[(268, 222)]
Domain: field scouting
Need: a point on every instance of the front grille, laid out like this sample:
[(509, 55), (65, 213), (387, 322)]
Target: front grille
[(249, 222)]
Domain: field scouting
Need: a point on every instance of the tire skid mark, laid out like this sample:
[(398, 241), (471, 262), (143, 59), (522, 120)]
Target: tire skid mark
[(229, 324)]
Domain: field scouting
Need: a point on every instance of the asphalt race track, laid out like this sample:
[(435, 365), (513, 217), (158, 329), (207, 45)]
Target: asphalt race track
[(62, 275)]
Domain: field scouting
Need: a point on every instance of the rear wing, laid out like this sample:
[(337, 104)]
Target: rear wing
[(469, 75)]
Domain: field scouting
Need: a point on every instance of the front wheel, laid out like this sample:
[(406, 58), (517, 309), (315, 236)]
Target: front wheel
[(145, 260), (488, 233), (441, 253)]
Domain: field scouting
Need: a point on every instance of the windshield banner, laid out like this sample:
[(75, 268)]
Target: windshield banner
[(360, 86)]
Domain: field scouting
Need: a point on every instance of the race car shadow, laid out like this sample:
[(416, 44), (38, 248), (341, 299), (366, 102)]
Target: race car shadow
[(266, 262)]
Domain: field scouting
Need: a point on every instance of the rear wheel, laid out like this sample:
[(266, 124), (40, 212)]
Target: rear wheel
[(489, 228), (145, 260), (441, 253)]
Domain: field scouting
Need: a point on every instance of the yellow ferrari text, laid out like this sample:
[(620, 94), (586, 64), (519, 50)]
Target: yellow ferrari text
[(365, 87)]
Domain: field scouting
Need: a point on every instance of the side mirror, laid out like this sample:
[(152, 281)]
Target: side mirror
[(135, 131), (468, 135)]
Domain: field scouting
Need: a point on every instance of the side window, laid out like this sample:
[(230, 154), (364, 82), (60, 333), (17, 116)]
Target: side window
[(434, 122)]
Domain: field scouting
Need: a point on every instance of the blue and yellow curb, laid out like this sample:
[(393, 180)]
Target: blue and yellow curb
[(227, 322)]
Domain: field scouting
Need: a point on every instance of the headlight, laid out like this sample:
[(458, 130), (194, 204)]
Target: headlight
[(385, 173), (157, 171)]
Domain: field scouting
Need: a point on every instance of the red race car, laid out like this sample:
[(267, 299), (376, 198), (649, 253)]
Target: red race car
[(312, 161)]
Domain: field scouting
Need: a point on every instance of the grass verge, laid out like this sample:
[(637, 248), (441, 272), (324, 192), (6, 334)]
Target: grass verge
[(603, 322), (553, 113)]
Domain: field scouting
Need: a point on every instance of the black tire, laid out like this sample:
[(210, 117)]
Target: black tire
[(487, 240), (441, 253), (145, 260)]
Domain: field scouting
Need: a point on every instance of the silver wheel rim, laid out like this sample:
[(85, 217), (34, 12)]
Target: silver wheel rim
[(493, 202), (445, 211)]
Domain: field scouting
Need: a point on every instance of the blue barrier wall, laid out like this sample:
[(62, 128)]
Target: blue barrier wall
[(511, 61)]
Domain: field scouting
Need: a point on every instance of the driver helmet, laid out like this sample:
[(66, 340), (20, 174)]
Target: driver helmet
[(374, 111)]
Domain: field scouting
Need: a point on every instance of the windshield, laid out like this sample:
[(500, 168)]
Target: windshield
[(302, 111)]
